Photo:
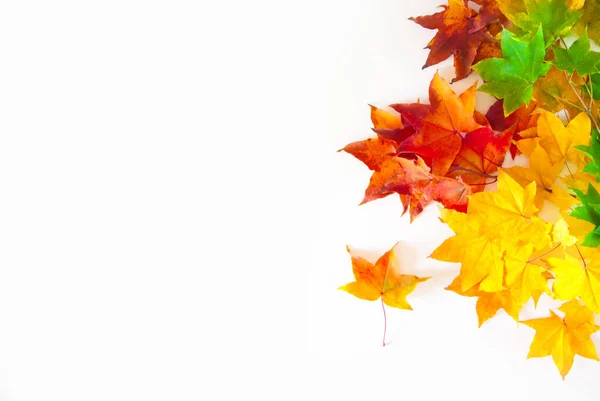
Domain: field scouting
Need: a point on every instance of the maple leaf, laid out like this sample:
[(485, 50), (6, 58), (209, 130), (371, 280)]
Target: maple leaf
[(480, 256), (590, 20), (523, 117), (579, 180), (511, 78), (382, 279), (554, 92), (438, 130), (559, 141), (416, 186), (544, 173), (373, 152), (488, 13), (451, 193), (563, 338), (524, 278), (494, 222), (577, 278), (589, 211), (481, 153), (593, 152), (521, 124), (508, 213), (562, 234), (488, 48), (488, 303), (578, 228), (455, 36), (397, 175), (578, 57), (383, 119), (390, 126), (555, 17)]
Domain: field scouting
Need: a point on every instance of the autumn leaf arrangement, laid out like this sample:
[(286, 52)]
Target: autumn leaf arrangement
[(520, 232)]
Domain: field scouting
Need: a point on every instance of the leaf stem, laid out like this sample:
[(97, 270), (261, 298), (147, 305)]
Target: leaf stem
[(590, 88), (569, 170), (486, 183), (581, 256), (586, 108), (545, 253), (473, 172), (563, 42), (384, 320)]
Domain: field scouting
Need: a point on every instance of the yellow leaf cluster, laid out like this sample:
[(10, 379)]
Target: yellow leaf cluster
[(499, 243), (549, 154), (509, 255)]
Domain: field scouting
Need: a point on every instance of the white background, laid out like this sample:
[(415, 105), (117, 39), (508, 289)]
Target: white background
[(143, 150), (437, 350)]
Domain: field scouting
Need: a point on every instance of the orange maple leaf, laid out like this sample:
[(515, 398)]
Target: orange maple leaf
[(372, 151), (459, 34), (416, 186), (488, 13), (398, 175), (481, 153), (390, 126), (382, 279), (438, 130), (521, 123)]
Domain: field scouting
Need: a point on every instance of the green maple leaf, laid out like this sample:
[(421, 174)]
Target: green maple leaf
[(589, 211), (578, 57), (512, 77), (553, 15), (593, 152)]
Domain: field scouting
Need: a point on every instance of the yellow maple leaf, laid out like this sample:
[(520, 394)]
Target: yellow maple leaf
[(555, 93), (384, 119), (382, 279), (524, 278), (511, 8), (508, 209), (563, 338), (544, 173), (494, 222), (580, 180), (577, 228), (489, 303), (590, 20), (560, 141), (481, 259), (527, 145), (577, 277), (561, 233)]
